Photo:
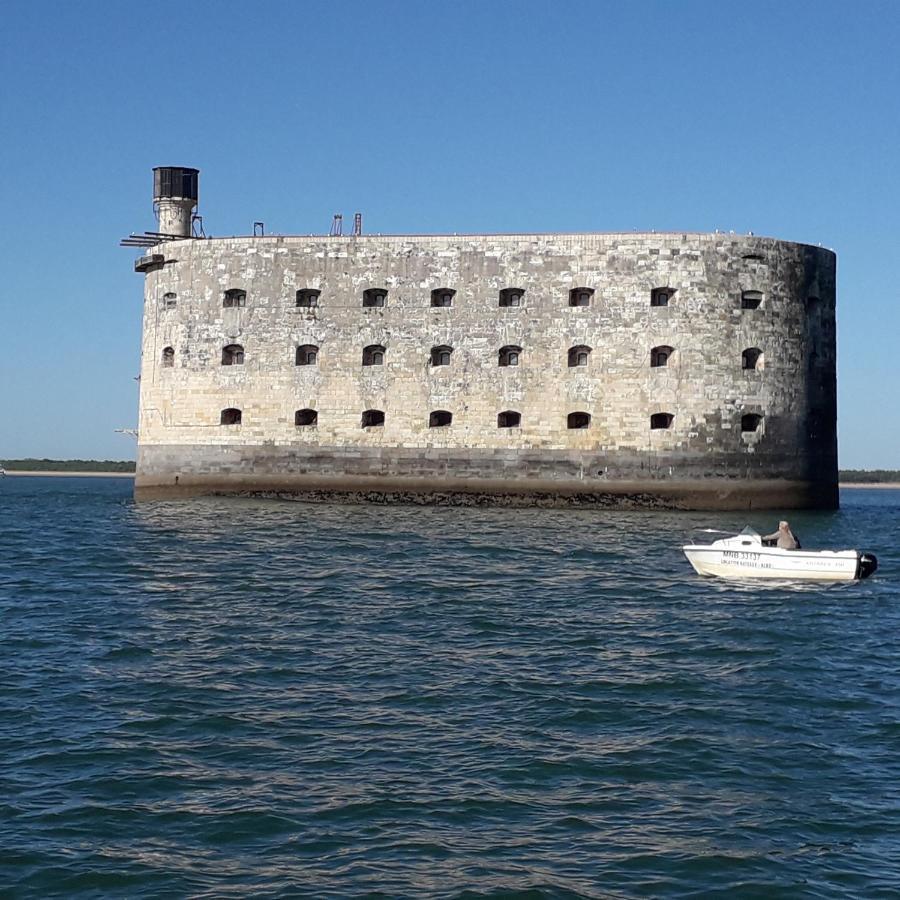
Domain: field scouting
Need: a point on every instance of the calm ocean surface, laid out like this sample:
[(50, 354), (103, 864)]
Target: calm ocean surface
[(229, 698)]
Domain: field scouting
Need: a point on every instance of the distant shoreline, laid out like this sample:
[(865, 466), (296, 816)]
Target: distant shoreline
[(55, 474), (891, 485)]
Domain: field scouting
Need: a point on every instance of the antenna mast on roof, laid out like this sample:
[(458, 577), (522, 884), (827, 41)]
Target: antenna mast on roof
[(357, 225), (337, 225)]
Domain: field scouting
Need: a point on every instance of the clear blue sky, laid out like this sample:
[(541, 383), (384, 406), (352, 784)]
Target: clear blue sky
[(774, 117)]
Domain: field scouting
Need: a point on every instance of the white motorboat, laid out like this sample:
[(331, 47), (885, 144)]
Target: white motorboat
[(745, 556)]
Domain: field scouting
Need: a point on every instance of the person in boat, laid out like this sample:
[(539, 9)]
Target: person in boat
[(783, 538)]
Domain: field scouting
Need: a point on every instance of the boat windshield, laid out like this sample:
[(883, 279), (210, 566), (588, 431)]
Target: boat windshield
[(750, 532)]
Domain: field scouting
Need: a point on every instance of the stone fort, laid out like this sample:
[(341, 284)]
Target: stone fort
[(624, 370)]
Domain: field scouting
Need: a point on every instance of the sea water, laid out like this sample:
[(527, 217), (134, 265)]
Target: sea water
[(225, 698)]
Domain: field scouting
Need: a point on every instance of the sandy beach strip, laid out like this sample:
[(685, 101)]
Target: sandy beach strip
[(873, 484)]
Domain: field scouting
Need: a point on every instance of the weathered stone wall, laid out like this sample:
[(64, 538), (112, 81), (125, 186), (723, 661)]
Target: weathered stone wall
[(703, 385)]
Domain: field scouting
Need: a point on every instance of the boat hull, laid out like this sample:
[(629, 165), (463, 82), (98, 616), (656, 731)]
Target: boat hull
[(785, 565)]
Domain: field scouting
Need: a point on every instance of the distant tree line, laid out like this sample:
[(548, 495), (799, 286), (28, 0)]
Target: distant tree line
[(68, 465), (868, 476)]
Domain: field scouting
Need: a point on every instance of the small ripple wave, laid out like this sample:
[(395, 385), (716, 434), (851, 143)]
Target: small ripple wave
[(222, 698)]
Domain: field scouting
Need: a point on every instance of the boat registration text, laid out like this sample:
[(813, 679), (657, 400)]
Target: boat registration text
[(744, 558)]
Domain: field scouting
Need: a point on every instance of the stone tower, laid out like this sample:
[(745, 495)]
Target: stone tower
[(175, 198)]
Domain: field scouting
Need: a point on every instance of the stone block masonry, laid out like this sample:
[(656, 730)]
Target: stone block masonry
[(678, 370)]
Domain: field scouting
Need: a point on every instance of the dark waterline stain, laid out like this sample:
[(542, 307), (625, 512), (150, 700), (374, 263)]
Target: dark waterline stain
[(236, 697)]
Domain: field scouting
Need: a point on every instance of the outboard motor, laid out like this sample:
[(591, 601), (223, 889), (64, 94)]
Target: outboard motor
[(866, 564)]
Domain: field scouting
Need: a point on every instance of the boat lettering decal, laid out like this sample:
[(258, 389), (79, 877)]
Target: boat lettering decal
[(739, 556), (744, 558)]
